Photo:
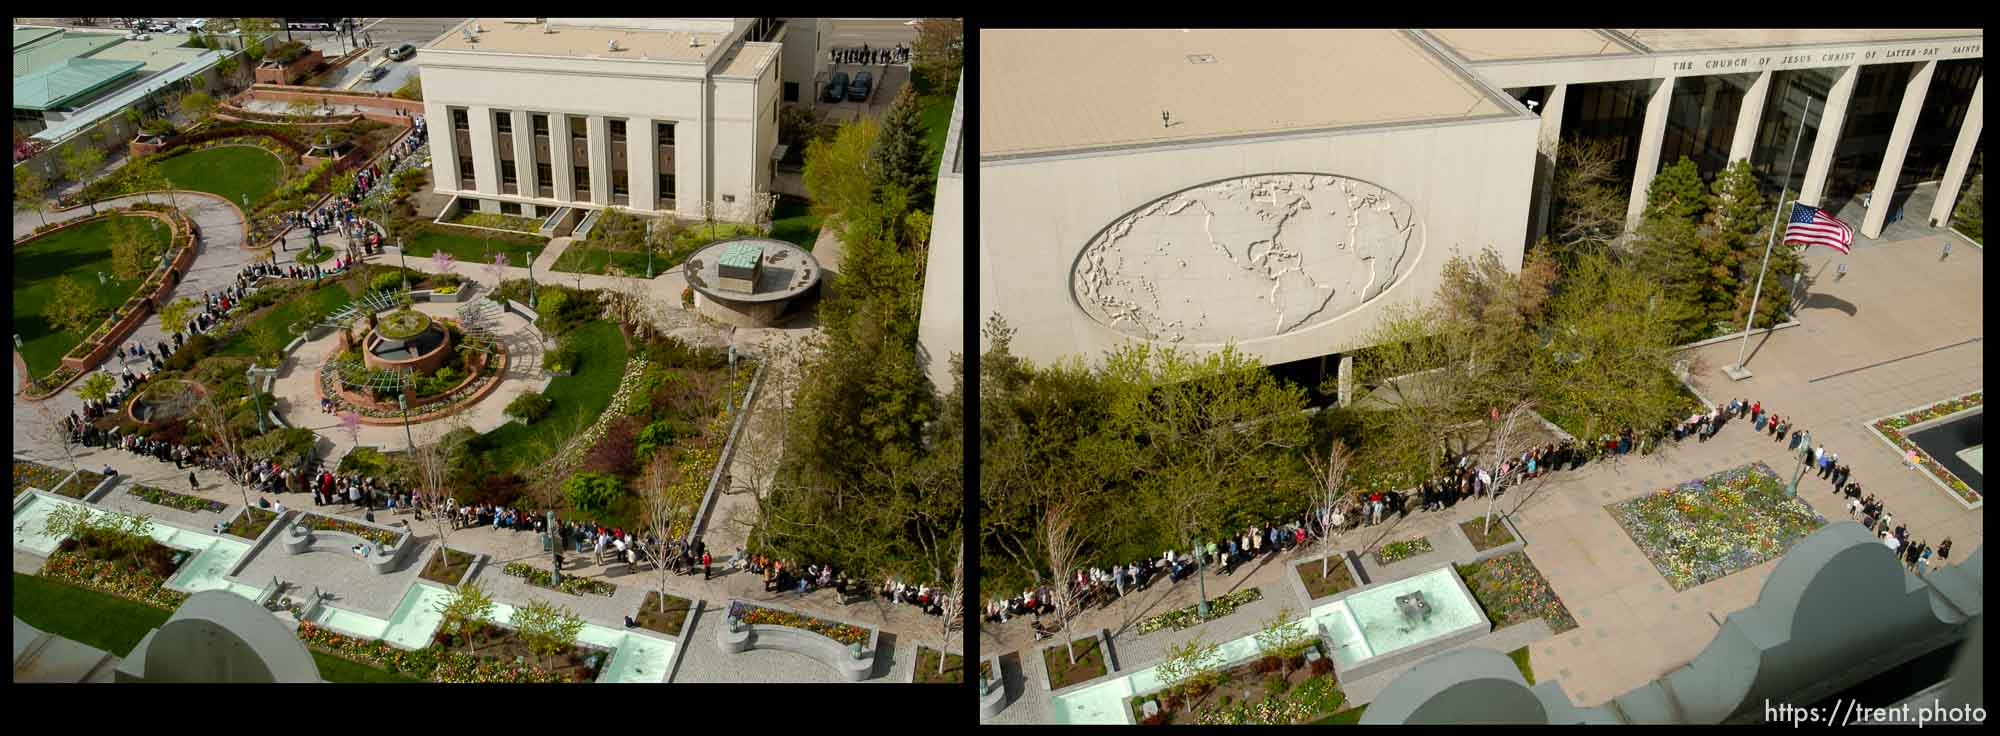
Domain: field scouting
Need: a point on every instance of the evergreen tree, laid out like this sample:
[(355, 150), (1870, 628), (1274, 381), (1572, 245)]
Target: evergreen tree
[(1677, 192), (1669, 251), (1739, 223), (899, 150)]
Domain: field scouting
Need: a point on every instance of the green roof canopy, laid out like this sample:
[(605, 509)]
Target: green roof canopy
[(74, 80), (741, 255)]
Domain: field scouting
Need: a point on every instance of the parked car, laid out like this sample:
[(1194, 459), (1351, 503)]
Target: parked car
[(864, 81), (375, 74), (194, 26), (402, 52), (836, 88)]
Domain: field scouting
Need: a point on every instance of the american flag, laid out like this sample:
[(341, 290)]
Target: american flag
[(1813, 226)]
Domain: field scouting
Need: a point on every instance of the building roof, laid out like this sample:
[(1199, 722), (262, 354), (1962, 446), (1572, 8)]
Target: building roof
[(1498, 44), (24, 35), (162, 52), (61, 85), (570, 40), (1679, 39), (746, 59), (1046, 91), (55, 50)]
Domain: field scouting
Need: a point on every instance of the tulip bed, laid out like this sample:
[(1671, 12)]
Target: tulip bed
[(35, 475), (1512, 590), (758, 615), (1706, 529), (1183, 618), (170, 499), (1403, 550), (541, 578), (1891, 428)]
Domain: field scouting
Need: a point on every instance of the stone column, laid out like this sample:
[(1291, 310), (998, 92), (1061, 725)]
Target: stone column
[(1706, 114), (1346, 380), (1961, 156), (1649, 151), (642, 163), (443, 144), (1546, 145), (1914, 92), (524, 154), (1748, 117), (1828, 137), (600, 158), (559, 158), (485, 152)]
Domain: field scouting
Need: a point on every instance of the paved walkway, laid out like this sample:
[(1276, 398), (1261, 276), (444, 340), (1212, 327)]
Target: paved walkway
[(1899, 299)]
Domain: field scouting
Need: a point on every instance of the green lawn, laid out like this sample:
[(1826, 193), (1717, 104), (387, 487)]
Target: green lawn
[(795, 223), (228, 171), (593, 260), (79, 252), (514, 446), (471, 246), (331, 296), (1520, 657), (116, 625)]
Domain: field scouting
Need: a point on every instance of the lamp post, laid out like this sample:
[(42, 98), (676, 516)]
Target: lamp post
[(1805, 451), (405, 261), (729, 399), (250, 375), (403, 403)]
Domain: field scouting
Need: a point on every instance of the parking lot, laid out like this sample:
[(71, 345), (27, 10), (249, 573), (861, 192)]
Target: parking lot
[(387, 32), (889, 82)]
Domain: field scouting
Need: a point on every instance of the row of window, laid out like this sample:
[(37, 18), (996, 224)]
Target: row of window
[(503, 125)]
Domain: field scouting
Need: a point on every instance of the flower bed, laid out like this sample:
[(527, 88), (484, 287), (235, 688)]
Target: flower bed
[(432, 663), (1512, 590), (541, 578), (1706, 529), (35, 475), (926, 668), (1089, 663), (447, 566), (317, 522), (1891, 428), (1403, 550), (252, 523), (124, 579), (758, 615), (669, 621), (1253, 693), (1183, 618), (170, 499)]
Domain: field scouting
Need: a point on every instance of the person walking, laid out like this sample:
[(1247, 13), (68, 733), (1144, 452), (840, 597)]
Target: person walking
[(1840, 273), (1947, 251), (193, 485)]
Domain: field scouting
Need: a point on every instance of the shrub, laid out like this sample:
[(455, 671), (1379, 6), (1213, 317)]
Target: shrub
[(673, 352), (391, 280), (1268, 663), (1322, 666), (499, 489), (191, 352), (657, 435), (284, 444), (564, 357), (614, 453), (592, 493), (529, 406)]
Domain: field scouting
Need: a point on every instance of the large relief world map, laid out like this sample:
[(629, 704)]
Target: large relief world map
[(1246, 258)]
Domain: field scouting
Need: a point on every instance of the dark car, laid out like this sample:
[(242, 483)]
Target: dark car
[(374, 74), (863, 81), (836, 88), (402, 52)]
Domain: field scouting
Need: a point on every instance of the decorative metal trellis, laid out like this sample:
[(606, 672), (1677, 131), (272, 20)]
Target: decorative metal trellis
[(369, 303), (480, 320), (357, 375)]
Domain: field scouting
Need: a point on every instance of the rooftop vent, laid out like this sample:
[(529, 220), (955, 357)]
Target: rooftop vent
[(1201, 58), (546, 28), (612, 44), (469, 38), (477, 28)]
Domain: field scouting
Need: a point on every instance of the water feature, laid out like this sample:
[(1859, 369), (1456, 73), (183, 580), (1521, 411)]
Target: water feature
[(350, 622), (207, 569), (1104, 702), (416, 618)]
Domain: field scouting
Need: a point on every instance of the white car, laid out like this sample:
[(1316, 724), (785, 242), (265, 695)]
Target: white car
[(194, 26)]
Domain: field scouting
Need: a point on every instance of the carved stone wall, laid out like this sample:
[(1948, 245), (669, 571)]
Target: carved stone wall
[(1246, 258)]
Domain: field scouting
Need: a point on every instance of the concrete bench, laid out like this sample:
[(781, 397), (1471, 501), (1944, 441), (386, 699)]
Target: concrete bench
[(739, 637)]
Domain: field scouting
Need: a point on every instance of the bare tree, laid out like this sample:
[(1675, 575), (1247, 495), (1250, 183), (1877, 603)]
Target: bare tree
[(215, 416), (952, 600), (1064, 546), (432, 459), (661, 511), (52, 429), (1502, 446), (1330, 489)]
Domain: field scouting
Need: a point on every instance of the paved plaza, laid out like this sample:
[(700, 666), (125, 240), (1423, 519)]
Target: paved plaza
[(1898, 304)]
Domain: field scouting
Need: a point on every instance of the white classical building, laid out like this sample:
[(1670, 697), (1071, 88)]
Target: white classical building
[(657, 115), (1275, 189)]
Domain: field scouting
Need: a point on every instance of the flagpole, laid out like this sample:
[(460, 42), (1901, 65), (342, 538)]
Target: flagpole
[(1737, 371)]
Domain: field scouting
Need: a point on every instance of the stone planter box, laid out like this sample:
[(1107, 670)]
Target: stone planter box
[(1340, 559), (734, 637), (145, 145), (382, 559), (103, 487), (1103, 645), (271, 72), (456, 296), (1499, 520), (992, 695)]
